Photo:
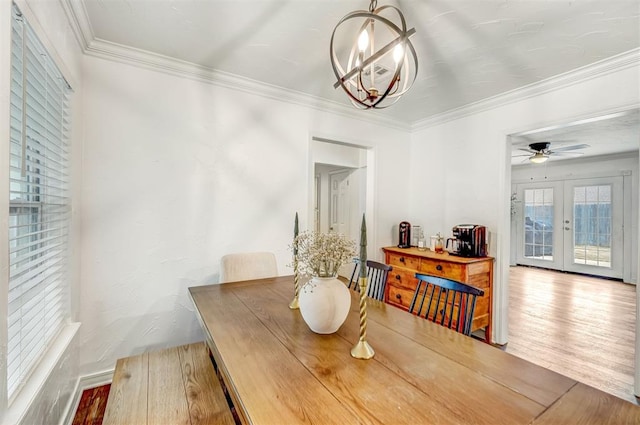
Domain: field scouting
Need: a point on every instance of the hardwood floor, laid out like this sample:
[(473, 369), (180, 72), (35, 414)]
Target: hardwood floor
[(580, 326)]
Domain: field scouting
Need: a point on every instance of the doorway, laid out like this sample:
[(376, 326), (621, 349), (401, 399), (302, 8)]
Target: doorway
[(342, 190), (572, 225), (612, 151)]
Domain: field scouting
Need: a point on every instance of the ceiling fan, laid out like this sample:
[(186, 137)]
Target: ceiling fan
[(540, 152)]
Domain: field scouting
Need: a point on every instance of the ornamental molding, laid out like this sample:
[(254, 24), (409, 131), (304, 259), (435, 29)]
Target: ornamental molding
[(92, 46)]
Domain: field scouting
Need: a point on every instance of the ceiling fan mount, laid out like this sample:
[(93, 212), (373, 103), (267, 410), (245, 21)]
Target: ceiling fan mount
[(540, 146)]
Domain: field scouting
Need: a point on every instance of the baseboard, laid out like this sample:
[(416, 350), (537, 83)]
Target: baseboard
[(84, 382)]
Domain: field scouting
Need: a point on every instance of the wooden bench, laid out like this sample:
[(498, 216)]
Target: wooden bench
[(173, 386)]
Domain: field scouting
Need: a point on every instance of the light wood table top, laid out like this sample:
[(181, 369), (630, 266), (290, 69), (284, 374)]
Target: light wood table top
[(278, 371)]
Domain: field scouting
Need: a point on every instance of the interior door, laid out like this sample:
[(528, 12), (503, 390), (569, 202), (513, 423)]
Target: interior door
[(339, 202), (339, 209), (593, 226)]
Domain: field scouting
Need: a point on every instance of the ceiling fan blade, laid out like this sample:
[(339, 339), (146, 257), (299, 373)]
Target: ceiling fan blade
[(527, 150), (516, 156), (569, 148), (554, 153)]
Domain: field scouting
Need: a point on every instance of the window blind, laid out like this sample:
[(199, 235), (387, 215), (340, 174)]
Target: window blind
[(39, 204)]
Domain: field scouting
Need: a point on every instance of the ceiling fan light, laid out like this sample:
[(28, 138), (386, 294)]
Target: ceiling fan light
[(538, 158)]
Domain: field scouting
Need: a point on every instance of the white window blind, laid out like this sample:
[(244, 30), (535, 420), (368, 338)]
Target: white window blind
[(39, 204)]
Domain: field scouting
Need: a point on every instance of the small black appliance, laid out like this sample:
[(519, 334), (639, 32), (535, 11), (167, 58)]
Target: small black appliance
[(471, 240), (404, 235)]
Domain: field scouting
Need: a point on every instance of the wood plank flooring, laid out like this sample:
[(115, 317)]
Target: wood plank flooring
[(580, 326)]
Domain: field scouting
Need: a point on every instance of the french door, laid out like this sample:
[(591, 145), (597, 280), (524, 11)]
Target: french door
[(572, 225)]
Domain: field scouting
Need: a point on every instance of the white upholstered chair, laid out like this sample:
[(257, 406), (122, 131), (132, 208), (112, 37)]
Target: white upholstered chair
[(247, 266)]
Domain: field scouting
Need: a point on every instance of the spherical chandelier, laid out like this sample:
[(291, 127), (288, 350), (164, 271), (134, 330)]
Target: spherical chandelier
[(380, 61)]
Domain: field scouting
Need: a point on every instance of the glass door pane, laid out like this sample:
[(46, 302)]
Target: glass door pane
[(592, 225), (538, 223)]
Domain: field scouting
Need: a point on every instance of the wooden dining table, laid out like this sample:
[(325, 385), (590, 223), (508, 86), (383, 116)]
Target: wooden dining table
[(277, 371)]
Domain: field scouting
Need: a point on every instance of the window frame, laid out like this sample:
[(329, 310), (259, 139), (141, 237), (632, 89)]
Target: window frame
[(61, 334)]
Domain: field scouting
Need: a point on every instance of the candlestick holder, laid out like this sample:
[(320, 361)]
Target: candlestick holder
[(294, 304), (362, 349)]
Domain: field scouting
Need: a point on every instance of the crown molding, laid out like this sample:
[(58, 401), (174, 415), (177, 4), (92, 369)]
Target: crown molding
[(79, 21), (578, 75), (168, 65), (92, 46)]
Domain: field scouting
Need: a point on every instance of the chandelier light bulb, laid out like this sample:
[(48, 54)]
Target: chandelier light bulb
[(363, 40), (398, 53)]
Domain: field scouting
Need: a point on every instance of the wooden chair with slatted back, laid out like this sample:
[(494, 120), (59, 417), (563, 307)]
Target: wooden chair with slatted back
[(376, 278), (445, 301)]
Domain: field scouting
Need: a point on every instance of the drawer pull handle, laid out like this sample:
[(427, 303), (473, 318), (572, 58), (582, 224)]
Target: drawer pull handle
[(439, 267), (397, 277), (398, 296), (402, 259)]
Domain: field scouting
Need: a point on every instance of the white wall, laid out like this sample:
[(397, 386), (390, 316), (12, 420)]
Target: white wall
[(47, 398), (460, 170), (179, 172)]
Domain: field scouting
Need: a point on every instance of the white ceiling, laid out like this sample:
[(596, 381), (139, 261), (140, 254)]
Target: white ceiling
[(468, 50), (605, 135)]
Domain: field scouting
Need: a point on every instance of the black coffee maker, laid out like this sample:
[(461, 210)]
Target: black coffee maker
[(404, 235), (471, 240)]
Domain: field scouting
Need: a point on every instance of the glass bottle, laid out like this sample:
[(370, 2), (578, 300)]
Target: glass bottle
[(422, 242), (439, 244)]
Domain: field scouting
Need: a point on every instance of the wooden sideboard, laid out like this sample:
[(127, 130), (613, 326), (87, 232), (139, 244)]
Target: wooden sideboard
[(406, 262)]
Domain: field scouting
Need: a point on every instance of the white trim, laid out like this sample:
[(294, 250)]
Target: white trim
[(578, 75), (79, 21), (92, 46), (34, 385), (6, 18), (84, 383), (591, 175), (168, 65), (636, 381)]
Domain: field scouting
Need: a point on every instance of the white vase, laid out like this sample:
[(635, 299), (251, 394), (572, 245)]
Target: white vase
[(324, 304)]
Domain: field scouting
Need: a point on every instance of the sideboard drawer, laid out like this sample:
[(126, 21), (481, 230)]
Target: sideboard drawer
[(400, 297), (399, 260), (402, 278), (442, 269)]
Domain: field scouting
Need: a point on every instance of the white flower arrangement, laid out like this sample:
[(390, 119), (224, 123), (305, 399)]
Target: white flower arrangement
[(322, 254)]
